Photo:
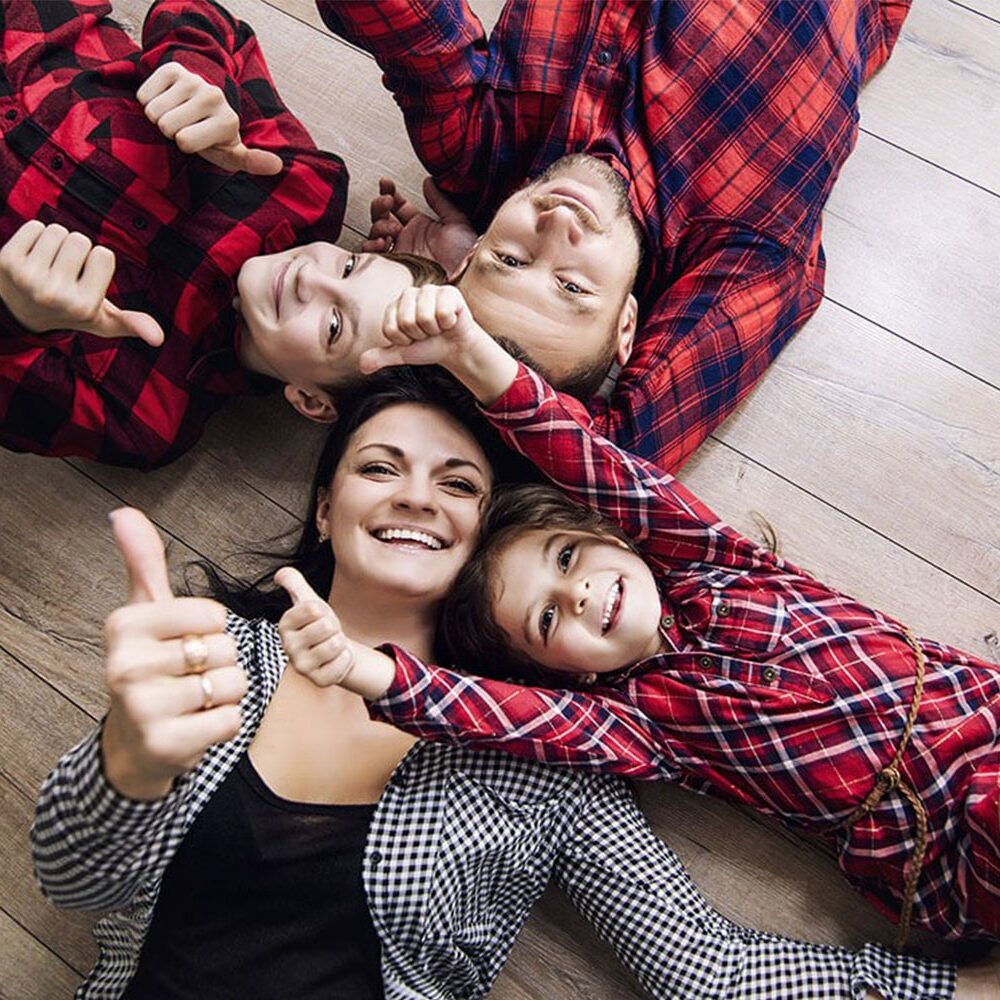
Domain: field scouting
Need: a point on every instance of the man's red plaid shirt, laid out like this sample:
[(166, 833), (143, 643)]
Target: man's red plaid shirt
[(76, 148), (728, 121), (779, 692)]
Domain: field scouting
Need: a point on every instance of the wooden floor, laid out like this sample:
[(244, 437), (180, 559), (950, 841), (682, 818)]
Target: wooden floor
[(873, 446)]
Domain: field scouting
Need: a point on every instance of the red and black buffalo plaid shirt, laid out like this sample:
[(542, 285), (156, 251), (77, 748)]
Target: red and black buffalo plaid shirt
[(729, 122), (77, 149), (776, 691)]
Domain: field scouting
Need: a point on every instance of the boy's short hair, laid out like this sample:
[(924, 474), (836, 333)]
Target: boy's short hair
[(469, 632)]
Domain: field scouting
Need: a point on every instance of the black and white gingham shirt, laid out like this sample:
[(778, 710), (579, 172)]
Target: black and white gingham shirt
[(461, 845)]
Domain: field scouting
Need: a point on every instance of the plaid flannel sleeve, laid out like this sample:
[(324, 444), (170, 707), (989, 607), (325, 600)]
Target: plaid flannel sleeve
[(668, 521), (593, 731), (706, 340), (434, 58), (636, 893)]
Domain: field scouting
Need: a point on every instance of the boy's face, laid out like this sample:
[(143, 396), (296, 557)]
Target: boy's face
[(575, 602), (311, 311)]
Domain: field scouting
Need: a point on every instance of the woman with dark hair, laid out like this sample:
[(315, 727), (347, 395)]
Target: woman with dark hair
[(255, 835)]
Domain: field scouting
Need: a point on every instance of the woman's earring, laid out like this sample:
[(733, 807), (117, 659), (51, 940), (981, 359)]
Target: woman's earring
[(324, 535)]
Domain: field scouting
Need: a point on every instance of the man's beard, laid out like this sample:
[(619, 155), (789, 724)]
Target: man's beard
[(600, 171)]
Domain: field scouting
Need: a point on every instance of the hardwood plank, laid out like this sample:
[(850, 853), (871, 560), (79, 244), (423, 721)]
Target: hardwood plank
[(38, 725), (844, 553), (64, 933), (914, 249), (987, 8), (936, 97), (30, 971), (908, 445), (60, 574)]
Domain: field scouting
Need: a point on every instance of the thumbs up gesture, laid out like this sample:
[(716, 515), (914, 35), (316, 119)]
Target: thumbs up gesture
[(170, 669), (311, 634), (52, 279)]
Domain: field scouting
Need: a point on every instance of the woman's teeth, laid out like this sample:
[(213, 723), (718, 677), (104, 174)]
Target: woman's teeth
[(408, 535)]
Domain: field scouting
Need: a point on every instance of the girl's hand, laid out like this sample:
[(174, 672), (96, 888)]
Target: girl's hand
[(195, 114), (52, 279), (313, 639), (433, 325), (171, 672), (397, 224)]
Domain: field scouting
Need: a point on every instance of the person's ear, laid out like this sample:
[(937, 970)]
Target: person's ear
[(456, 272), (322, 512), (628, 319), (316, 406)]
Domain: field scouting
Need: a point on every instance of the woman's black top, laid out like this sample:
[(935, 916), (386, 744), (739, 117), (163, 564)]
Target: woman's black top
[(263, 899)]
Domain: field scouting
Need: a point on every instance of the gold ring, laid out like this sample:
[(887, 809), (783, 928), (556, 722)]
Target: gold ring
[(195, 653), (392, 244), (208, 695)]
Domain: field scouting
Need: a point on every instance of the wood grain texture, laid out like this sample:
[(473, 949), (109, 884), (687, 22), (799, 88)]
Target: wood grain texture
[(873, 447)]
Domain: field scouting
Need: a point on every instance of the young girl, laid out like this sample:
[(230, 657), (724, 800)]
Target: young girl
[(710, 661)]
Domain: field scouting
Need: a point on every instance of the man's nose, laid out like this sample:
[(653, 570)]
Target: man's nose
[(559, 221)]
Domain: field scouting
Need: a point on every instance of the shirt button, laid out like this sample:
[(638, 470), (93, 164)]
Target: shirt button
[(56, 162), (769, 674), (667, 620), (724, 609), (705, 661), (603, 57), (10, 115), (139, 222), (375, 858)]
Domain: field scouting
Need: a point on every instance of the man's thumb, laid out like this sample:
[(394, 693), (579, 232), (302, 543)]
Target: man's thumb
[(114, 323), (142, 552), (441, 205), (296, 585)]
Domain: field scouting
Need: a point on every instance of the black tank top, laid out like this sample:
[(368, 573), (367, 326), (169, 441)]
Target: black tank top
[(264, 899)]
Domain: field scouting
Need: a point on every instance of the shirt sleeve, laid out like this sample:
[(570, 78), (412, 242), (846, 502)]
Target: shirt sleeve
[(635, 892), (208, 41), (668, 522), (706, 340), (594, 731), (92, 848), (434, 57)]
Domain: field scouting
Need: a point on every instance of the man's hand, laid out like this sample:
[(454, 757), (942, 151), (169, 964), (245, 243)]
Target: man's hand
[(52, 279), (397, 224), (195, 114), (433, 325), (170, 669)]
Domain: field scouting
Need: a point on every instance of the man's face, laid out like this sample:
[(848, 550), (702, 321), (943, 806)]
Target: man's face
[(554, 270), (310, 311)]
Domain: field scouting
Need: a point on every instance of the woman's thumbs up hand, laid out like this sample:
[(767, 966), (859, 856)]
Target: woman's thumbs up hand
[(170, 669)]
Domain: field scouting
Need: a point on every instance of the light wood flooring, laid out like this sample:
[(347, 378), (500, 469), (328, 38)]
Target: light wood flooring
[(872, 445)]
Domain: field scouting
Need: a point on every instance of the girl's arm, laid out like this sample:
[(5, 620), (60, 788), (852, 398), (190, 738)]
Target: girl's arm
[(635, 892)]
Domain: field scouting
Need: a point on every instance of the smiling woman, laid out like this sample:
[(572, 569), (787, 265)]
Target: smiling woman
[(295, 847)]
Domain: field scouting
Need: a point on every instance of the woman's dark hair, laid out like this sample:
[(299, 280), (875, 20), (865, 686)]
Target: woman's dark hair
[(469, 633), (432, 386)]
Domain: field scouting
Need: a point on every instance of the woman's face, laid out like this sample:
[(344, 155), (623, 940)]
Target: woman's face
[(403, 508)]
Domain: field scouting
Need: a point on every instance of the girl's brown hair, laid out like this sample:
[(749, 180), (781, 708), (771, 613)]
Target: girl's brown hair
[(469, 633)]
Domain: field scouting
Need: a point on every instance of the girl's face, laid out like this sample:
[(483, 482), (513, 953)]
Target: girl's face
[(403, 508), (576, 602)]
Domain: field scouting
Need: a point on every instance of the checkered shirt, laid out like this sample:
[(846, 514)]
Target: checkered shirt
[(728, 121), (76, 148), (461, 845), (777, 692)]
